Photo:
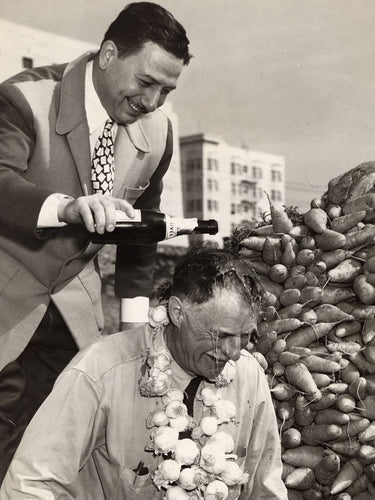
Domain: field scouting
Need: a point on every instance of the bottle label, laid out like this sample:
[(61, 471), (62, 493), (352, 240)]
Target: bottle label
[(122, 217), (178, 225)]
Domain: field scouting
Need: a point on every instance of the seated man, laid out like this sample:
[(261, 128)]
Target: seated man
[(110, 428)]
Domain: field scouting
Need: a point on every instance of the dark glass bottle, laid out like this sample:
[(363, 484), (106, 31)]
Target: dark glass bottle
[(151, 227)]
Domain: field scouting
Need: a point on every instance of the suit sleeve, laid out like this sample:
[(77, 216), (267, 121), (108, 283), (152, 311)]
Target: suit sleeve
[(20, 200), (135, 263)]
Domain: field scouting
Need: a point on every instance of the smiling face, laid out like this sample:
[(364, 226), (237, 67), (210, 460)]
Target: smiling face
[(137, 84), (205, 336)]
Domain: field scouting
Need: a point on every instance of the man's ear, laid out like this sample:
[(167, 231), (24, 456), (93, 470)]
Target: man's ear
[(107, 52), (175, 310)]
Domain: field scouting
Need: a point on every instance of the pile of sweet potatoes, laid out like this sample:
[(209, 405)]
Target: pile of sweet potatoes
[(317, 336)]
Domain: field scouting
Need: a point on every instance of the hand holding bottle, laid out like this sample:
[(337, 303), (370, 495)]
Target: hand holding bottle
[(96, 212), (150, 227)]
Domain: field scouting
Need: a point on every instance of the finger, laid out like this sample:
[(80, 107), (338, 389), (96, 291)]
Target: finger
[(85, 213), (98, 213), (110, 215), (124, 206)]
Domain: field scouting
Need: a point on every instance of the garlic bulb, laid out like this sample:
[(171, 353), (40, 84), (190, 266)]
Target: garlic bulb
[(233, 474), (216, 490), (185, 451)]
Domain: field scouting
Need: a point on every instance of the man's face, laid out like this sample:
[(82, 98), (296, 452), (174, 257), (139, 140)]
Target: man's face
[(212, 333), (137, 84)]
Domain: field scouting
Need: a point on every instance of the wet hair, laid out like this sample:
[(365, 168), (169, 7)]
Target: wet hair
[(142, 22), (204, 270)]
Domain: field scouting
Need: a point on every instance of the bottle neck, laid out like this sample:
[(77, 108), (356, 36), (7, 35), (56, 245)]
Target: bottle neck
[(178, 225)]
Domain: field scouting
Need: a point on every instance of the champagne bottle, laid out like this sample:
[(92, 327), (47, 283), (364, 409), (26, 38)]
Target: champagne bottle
[(151, 227)]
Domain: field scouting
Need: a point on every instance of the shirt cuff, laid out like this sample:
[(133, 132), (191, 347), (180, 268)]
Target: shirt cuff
[(135, 310), (48, 213)]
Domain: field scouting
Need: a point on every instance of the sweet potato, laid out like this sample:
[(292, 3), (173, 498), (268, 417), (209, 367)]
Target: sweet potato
[(299, 376), (349, 472), (329, 313), (330, 240), (278, 273), (334, 295), (316, 219), (302, 478), (356, 239), (305, 336), (327, 469), (320, 433), (345, 272), (321, 365), (304, 456), (364, 290), (279, 326), (345, 222), (280, 220), (331, 416)]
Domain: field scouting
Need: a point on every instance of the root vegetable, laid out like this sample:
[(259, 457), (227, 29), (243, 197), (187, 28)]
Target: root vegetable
[(278, 273), (302, 478), (350, 471), (291, 438), (304, 456), (331, 416), (279, 326), (345, 272), (316, 219), (271, 253), (305, 336), (299, 376), (333, 295), (345, 222), (290, 296), (330, 240), (331, 313), (327, 469)]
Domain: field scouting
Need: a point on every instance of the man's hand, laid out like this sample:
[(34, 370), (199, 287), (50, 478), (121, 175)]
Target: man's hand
[(96, 212)]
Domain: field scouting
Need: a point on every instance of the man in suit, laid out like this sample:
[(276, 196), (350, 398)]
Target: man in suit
[(51, 120)]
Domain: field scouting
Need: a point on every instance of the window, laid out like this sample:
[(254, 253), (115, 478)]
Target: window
[(245, 169), (233, 208), (276, 175), (212, 205), (209, 164), (232, 168), (27, 62), (275, 195)]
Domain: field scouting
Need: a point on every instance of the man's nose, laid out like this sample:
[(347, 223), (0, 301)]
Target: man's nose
[(150, 100), (232, 348)]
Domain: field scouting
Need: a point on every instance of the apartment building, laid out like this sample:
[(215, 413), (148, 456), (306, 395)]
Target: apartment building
[(228, 183)]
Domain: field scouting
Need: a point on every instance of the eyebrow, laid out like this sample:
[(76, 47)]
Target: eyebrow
[(154, 80)]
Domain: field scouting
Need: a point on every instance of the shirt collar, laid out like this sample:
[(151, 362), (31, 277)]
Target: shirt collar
[(96, 114)]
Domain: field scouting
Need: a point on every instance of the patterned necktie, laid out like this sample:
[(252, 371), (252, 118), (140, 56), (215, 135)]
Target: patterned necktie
[(103, 162)]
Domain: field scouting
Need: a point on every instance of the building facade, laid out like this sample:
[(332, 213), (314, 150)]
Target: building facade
[(227, 183)]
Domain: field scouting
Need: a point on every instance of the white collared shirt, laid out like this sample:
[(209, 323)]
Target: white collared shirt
[(132, 310)]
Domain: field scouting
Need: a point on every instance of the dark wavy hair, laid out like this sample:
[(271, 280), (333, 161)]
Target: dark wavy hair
[(142, 22), (204, 269)]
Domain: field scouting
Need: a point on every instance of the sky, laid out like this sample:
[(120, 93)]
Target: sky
[(288, 77)]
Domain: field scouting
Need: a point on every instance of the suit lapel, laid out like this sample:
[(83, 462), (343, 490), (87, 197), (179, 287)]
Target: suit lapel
[(72, 122)]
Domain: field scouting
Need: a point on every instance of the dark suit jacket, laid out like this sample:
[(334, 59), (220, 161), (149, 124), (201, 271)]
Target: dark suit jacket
[(44, 148)]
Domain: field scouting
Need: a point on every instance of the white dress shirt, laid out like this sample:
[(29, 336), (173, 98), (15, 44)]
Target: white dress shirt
[(132, 310)]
